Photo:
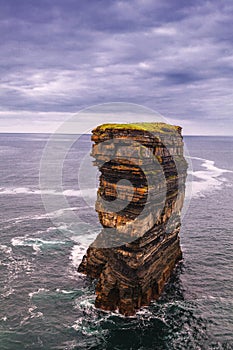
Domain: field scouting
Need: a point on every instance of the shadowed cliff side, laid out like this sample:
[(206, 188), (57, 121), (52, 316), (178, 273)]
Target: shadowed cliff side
[(139, 200)]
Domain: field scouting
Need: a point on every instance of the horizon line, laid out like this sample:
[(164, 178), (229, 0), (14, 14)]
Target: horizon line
[(52, 133)]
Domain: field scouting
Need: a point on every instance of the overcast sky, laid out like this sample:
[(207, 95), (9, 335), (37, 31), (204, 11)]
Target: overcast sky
[(174, 56)]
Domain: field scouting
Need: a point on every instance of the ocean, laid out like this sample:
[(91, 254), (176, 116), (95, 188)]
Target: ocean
[(45, 304)]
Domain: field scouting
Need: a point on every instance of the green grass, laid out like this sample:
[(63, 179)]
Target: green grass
[(151, 127)]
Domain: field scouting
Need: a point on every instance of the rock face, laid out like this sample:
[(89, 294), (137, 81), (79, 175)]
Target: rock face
[(139, 200)]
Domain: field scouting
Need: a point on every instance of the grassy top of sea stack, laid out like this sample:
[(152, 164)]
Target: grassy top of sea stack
[(161, 128)]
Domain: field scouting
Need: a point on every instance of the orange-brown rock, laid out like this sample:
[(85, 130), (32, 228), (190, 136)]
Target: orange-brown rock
[(139, 200)]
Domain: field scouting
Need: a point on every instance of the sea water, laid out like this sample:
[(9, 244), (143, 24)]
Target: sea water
[(45, 304)]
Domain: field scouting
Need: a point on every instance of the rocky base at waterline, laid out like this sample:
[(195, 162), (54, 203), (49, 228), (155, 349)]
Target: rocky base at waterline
[(139, 200)]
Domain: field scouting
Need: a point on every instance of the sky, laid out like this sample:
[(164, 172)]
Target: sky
[(173, 56)]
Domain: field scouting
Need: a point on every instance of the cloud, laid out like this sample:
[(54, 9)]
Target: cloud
[(174, 57)]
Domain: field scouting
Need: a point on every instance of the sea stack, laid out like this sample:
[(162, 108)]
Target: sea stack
[(139, 201)]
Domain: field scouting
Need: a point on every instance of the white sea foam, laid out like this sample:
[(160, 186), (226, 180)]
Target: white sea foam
[(38, 291), (12, 268), (228, 300), (87, 237), (34, 314), (209, 179), (31, 314), (76, 255), (35, 243), (78, 250), (8, 291), (5, 249), (54, 214), (92, 316), (89, 192), (63, 291)]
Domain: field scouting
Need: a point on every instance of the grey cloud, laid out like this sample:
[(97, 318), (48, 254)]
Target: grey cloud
[(182, 77), (173, 56)]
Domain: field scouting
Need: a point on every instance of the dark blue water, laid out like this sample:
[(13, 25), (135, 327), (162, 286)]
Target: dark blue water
[(45, 304)]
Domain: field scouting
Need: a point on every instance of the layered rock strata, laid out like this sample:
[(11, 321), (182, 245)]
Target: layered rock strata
[(139, 201)]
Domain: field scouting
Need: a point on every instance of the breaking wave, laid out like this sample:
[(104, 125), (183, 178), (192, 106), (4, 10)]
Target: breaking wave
[(208, 179), (90, 192)]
